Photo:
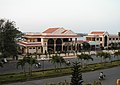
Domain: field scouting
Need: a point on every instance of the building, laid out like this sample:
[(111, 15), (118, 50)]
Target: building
[(51, 40), (105, 39)]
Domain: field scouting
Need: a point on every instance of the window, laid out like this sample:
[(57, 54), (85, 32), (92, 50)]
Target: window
[(65, 39), (39, 39), (97, 39), (93, 39)]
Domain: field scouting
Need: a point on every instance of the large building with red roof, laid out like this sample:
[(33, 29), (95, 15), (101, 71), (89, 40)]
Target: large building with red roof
[(52, 39), (104, 38)]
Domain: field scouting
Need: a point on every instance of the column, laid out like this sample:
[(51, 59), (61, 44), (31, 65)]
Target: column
[(54, 45)]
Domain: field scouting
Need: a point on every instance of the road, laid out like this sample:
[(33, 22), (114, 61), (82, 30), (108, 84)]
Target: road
[(112, 74), (10, 67)]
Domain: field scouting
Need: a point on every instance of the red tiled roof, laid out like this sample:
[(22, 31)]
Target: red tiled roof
[(60, 35), (96, 32), (64, 31), (50, 30)]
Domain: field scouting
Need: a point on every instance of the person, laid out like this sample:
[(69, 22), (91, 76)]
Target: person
[(101, 75), (68, 62)]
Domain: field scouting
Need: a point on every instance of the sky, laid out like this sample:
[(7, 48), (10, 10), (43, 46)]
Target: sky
[(80, 16)]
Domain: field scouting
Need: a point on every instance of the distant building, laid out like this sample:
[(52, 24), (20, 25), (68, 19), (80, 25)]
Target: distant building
[(52, 39), (104, 38)]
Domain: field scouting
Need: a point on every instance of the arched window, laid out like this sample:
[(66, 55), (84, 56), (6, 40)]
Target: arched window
[(105, 41), (58, 45), (50, 45)]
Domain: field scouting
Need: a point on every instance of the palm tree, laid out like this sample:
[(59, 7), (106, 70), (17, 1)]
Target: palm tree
[(31, 61), (103, 55), (84, 57), (117, 54), (57, 60), (1, 65), (100, 54), (22, 63), (106, 55), (54, 60), (81, 57), (87, 57), (61, 61)]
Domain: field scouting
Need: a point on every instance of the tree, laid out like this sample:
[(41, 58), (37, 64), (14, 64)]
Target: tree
[(76, 78), (31, 61), (81, 57), (22, 63), (61, 61), (87, 57), (84, 57), (119, 34), (1, 65), (86, 46), (100, 54), (117, 54), (8, 33), (104, 55), (57, 60)]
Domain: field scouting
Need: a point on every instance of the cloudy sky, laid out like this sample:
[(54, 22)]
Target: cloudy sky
[(80, 16)]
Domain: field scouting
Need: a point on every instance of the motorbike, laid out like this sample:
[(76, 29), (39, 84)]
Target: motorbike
[(102, 77), (38, 65)]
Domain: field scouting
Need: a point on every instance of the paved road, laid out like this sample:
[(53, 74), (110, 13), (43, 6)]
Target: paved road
[(112, 75), (10, 67)]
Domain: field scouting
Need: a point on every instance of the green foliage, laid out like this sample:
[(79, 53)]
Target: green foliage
[(76, 74), (86, 46), (117, 54), (84, 57), (1, 65), (8, 35), (119, 34), (57, 60), (104, 55), (29, 60)]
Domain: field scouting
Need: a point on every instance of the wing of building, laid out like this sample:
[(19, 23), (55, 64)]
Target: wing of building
[(105, 39)]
